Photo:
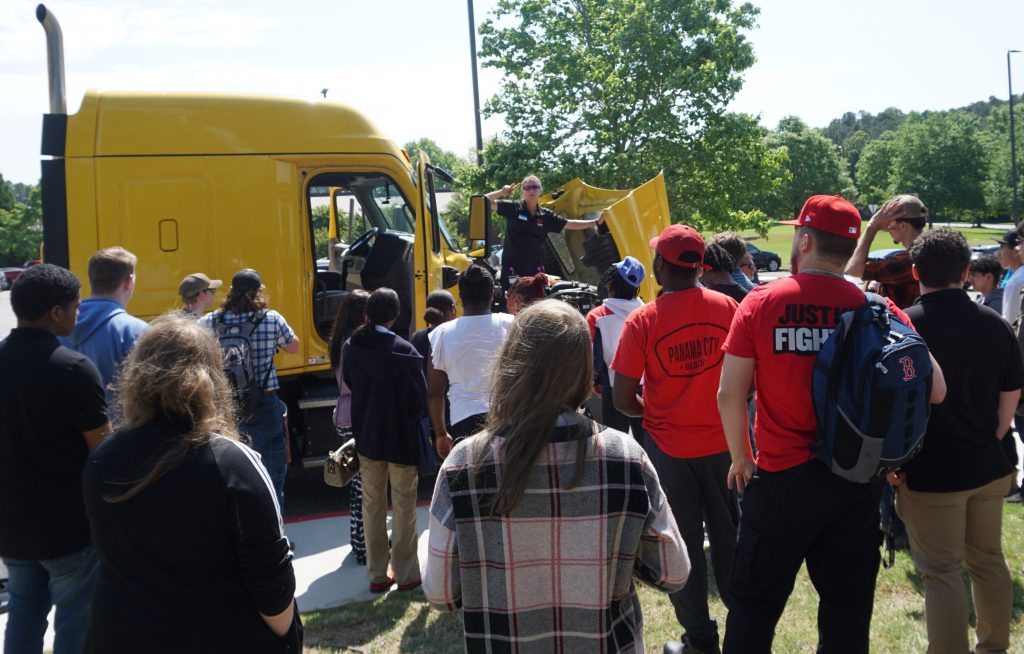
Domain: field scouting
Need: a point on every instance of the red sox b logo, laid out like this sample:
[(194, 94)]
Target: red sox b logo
[(908, 369)]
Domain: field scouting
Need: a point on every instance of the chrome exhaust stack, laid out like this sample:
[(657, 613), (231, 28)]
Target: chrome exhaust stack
[(54, 60)]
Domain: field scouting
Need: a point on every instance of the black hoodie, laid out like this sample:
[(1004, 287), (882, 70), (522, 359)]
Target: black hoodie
[(389, 395)]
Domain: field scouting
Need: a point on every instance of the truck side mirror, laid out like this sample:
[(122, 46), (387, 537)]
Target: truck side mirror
[(449, 277), (480, 221)]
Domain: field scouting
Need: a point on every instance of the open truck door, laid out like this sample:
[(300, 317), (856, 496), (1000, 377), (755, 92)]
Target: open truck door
[(434, 249)]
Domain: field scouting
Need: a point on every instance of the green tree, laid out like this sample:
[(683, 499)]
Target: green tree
[(21, 191), (731, 177), (21, 229), (7, 199), (874, 169), (611, 90), (438, 156), (813, 161), (998, 189), (320, 218), (852, 148), (942, 159)]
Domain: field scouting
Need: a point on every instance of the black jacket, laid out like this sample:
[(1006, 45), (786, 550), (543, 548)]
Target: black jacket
[(389, 395)]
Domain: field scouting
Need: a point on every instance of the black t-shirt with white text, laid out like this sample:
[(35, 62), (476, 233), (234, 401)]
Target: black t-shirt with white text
[(49, 396), (524, 237)]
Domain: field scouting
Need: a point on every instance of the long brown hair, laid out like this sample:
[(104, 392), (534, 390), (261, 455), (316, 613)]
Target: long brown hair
[(543, 369), (242, 301), (174, 373), (351, 314)]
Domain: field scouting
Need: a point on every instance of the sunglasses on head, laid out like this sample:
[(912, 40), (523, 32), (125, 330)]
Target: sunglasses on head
[(532, 187)]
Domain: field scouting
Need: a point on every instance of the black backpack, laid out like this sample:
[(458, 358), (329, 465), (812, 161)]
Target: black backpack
[(236, 347)]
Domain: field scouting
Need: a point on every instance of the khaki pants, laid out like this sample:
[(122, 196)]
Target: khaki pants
[(402, 555), (947, 531)]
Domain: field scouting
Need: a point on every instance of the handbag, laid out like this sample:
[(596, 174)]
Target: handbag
[(342, 464), (426, 462)]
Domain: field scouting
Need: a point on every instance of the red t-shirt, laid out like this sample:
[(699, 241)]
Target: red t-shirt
[(782, 326), (675, 345)]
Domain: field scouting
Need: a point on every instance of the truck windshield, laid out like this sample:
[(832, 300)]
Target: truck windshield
[(393, 208)]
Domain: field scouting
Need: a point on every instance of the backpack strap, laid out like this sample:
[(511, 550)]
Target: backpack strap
[(875, 298), (256, 320)]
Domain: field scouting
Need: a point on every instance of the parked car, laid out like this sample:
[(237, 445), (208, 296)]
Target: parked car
[(982, 250), (884, 253), (7, 277), (763, 259)]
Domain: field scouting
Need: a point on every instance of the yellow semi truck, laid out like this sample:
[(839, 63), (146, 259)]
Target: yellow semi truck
[(216, 183)]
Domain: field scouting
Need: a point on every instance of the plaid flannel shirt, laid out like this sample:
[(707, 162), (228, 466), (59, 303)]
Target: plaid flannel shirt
[(273, 332), (555, 575), (895, 278)]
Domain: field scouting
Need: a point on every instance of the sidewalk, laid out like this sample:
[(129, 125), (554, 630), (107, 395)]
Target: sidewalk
[(326, 574)]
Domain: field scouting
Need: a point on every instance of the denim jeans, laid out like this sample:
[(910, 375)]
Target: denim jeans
[(265, 428), (67, 582)]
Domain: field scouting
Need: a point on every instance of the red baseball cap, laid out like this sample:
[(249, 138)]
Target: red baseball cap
[(680, 245), (829, 213)]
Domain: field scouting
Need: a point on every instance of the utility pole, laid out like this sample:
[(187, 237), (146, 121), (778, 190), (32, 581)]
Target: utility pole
[(1015, 212), (476, 86)]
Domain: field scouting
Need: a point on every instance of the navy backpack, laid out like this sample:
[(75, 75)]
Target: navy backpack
[(871, 387)]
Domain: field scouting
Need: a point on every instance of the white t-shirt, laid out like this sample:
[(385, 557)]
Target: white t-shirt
[(1011, 295), (465, 349)]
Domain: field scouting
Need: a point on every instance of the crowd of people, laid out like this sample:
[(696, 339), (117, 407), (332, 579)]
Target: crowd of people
[(156, 452)]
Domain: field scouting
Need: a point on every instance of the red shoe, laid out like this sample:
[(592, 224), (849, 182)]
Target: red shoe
[(412, 585), (381, 586)]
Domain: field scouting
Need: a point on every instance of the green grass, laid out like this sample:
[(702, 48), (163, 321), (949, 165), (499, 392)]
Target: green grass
[(404, 622), (780, 237)]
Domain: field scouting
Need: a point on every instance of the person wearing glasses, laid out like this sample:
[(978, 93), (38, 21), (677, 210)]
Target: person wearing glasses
[(749, 269), (527, 225), (197, 292)]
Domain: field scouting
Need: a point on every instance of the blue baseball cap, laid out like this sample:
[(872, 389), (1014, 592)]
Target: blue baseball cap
[(631, 270)]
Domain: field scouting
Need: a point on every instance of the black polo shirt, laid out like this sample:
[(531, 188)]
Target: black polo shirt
[(49, 396), (980, 358), (524, 237)]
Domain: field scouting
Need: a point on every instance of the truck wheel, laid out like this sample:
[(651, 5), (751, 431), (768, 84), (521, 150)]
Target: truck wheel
[(773, 265)]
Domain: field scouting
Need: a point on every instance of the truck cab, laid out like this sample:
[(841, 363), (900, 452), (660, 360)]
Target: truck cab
[(216, 183)]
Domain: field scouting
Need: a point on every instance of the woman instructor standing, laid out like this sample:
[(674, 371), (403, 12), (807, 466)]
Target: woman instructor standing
[(526, 226)]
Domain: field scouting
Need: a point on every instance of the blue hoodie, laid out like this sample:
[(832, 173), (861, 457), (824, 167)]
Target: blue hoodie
[(105, 333)]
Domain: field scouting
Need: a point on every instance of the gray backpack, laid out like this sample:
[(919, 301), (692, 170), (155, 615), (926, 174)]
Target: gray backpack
[(236, 350)]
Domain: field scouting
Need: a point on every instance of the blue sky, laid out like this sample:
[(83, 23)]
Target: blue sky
[(405, 63)]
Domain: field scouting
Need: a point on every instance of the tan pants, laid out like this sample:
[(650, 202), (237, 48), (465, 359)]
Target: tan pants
[(947, 531), (402, 555)]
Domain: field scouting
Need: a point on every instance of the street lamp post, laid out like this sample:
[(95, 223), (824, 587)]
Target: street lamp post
[(476, 86), (1013, 142)]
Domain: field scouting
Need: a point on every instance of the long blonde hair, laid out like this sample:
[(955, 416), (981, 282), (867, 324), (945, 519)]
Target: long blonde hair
[(543, 369), (174, 373)]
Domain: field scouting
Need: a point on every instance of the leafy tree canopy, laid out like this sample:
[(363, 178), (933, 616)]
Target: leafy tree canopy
[(614, 91), (21, 229), (438, 156), (942, 159), (6, 194), (814, 163)]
